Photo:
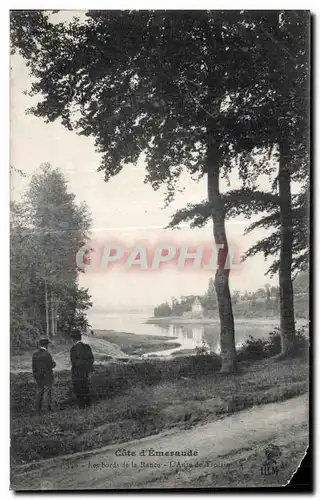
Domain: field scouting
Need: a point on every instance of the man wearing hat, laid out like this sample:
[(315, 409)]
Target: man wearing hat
[(42, 368), (82, 364)]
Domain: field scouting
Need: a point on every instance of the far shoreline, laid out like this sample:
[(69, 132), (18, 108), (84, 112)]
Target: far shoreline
[(176, 320)]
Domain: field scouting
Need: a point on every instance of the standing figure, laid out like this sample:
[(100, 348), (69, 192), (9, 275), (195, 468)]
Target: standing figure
[(82, 364), (42, 368)]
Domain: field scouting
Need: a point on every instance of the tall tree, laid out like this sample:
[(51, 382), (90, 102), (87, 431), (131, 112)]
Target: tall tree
[(61, 228), (209, 300), (26, 297), (273, 125), (279, 122), (47, 228)]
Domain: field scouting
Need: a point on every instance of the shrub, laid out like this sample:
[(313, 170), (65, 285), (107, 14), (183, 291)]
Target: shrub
[(203, 349), (23, 336), (252, 349), (255, 349), (273, 343)]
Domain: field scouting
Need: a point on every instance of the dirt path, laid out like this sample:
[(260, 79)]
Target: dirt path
[(230, 439)]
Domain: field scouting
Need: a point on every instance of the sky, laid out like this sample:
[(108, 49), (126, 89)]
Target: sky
[(124, 210)]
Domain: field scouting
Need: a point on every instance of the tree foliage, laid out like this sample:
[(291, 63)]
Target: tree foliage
[(152, 87), (47, 228), (162, 311)]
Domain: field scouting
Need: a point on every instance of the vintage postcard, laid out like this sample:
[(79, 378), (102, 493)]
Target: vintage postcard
[(159, 249)]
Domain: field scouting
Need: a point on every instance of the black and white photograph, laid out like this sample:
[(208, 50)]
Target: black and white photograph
[(159, 249)]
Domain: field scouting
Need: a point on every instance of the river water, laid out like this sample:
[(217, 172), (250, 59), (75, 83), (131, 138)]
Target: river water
[(189, 336)]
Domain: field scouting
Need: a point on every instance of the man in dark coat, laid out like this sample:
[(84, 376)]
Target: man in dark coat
[(42, 368), (82, 364)]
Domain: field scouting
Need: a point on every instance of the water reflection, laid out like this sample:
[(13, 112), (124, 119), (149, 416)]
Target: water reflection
[(188, 335), (192, 336), (164, 329)]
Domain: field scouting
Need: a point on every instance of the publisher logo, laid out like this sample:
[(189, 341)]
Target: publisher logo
[(270, 465)]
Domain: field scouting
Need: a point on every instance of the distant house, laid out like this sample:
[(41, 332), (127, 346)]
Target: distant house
[(197, 309)]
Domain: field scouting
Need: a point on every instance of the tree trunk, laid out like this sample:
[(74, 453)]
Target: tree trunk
[(56, 317), (47, 307), (52, 315), (287, 326), (227, 337)]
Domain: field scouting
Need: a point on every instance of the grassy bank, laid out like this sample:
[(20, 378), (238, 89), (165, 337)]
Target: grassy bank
[(136, 344), (139, 399)]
